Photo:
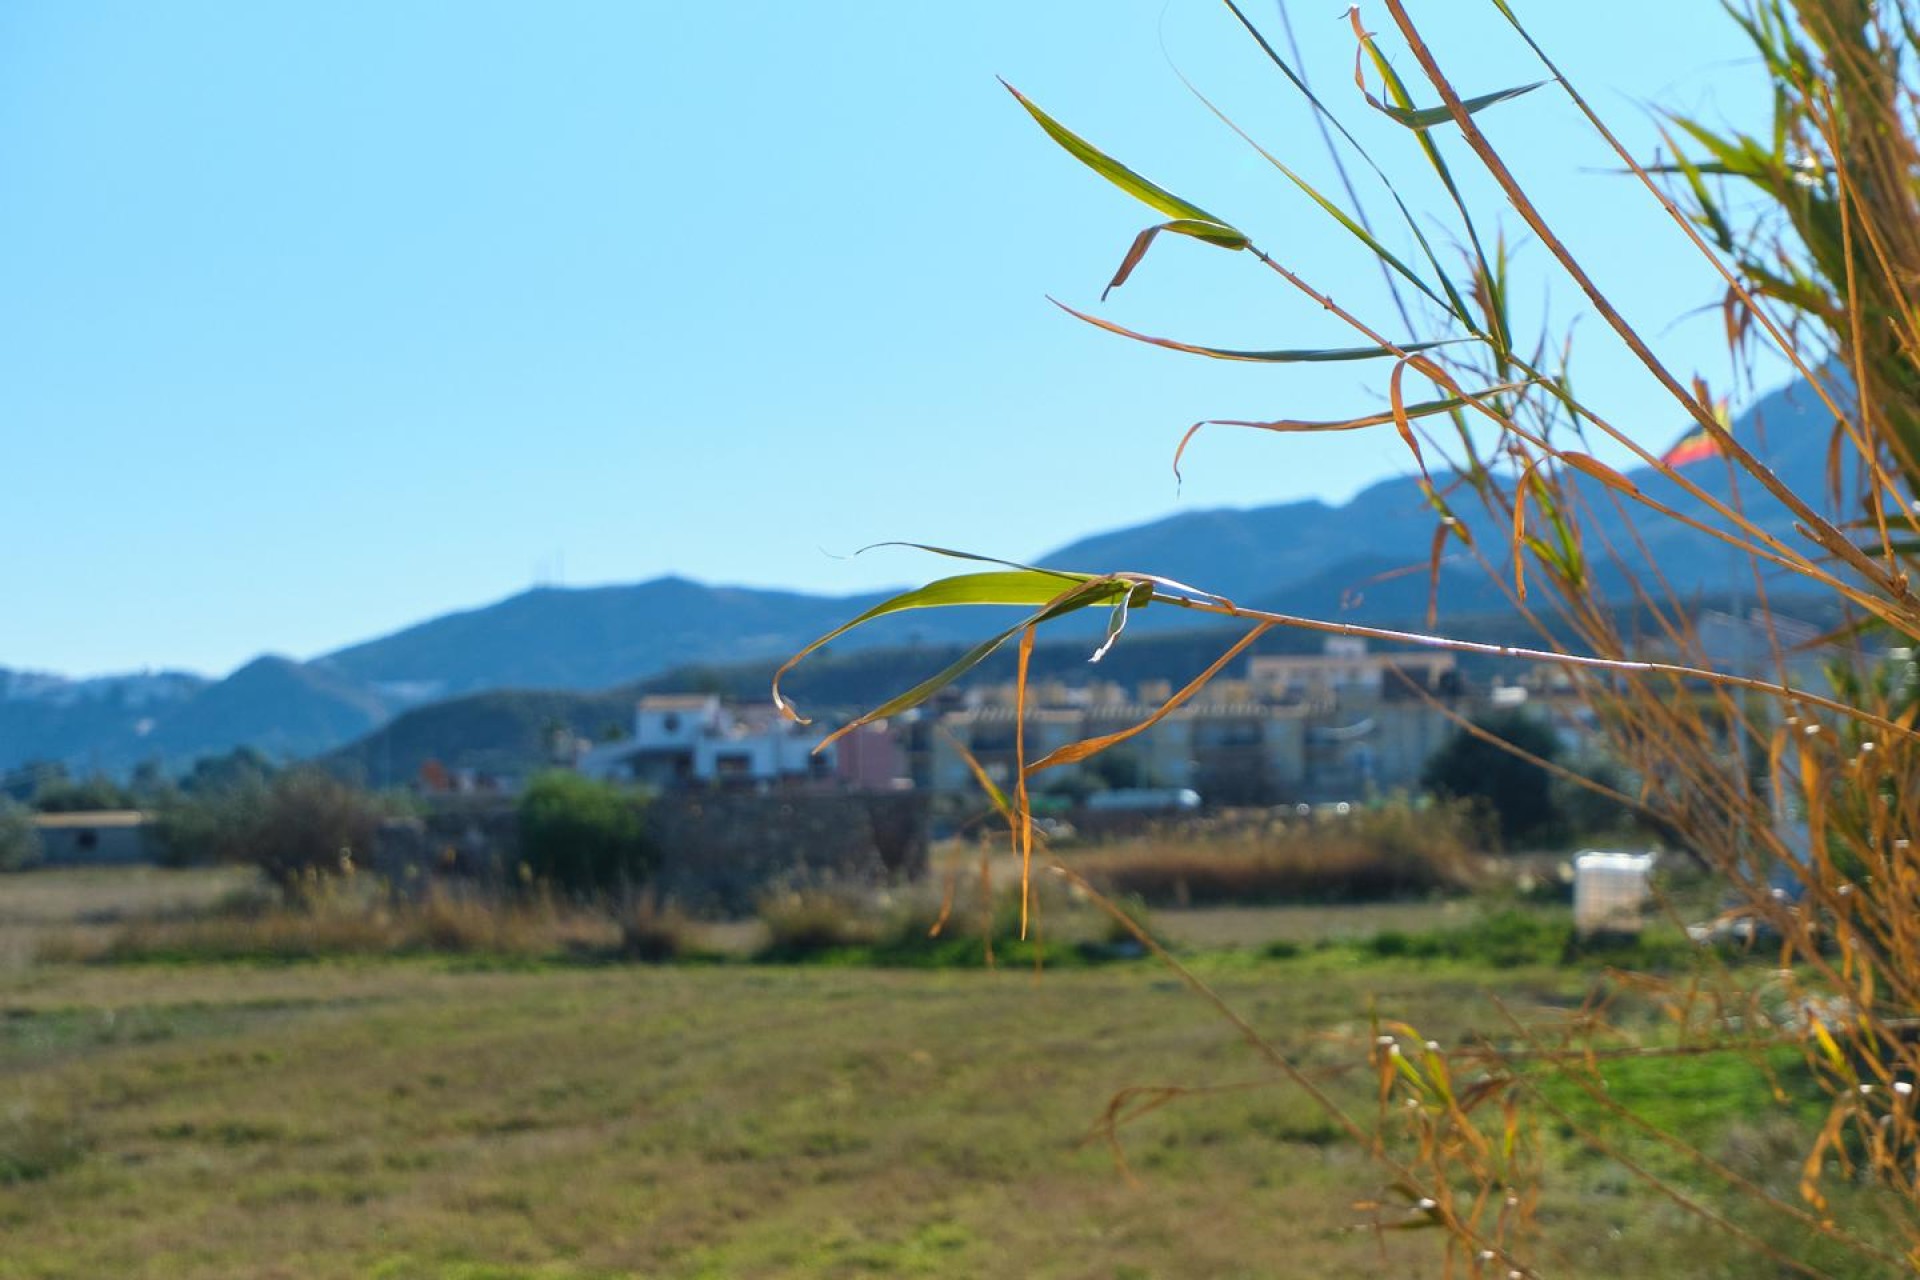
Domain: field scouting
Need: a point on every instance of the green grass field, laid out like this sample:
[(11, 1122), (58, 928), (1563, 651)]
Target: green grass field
[(447, 1118)]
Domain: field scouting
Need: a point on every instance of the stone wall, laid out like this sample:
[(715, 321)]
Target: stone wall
[(719, 852), (472, 843)]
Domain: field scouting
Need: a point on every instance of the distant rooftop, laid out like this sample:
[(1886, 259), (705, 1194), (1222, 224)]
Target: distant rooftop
[(90, 818), (678, 701)]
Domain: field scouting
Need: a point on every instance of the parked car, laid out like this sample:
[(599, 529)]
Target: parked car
[(1145, 800)]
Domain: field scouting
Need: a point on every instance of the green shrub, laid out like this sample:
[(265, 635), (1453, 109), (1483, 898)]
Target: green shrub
[(301, 827), (1520, 794), (816, 926), (209, 826), (37, 1143), (1115, 934), (1503, 940), (19, 839), (584, 837), (81, 795), (1512, 938), (310, 828)]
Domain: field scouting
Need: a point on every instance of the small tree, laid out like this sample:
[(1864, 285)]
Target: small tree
[(1519, 792), (584, 836), (19, 840), (241, 767), (81, 795), (311, 826), (209, 824), (299, 828)]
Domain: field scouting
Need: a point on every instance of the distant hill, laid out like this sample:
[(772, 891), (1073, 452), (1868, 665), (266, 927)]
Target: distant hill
[(84, 722), (509, 732), (500, 732), (589, 638), (1308, 556), (1243, 553), (1361, 561), (285, 708), (580, 639)]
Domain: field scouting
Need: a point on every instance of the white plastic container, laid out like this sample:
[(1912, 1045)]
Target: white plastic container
[(1611, 892)]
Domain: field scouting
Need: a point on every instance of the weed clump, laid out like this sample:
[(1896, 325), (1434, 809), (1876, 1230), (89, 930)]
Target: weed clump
[(246, 930), (809, 923), (1394, 851), (652, 932), (1514, 938), (827, 927), (37, 1142)]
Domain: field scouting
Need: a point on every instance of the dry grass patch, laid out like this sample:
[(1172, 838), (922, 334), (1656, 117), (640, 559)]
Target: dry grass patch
[(81, 908), (1366, 856), (444, 924)]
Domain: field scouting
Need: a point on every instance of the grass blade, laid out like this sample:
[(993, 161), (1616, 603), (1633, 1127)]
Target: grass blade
[(1302, 355), (1211, 232), (1421, 118), (1148, 193), (1188, 219), (1057, 603), (1028, 587), (1074, 752)]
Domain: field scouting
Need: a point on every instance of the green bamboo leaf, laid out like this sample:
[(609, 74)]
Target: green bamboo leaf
[(1438, 1074), (1189, 218), (1410, 1072), (1453, 301), (1382, 418), (1828, 1046), (1139, 597), (1421, 118), (1065, 575), (933, 684), (1022, 587), (1498, 328), (1708, 169), (1334, 211), (1201, 229), (1740, 156), (1302, 355), (1709, 215), (1056, 605)]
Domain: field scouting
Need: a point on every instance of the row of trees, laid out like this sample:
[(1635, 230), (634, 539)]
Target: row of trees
[(1502, 764), (48, 786), (303, 826)]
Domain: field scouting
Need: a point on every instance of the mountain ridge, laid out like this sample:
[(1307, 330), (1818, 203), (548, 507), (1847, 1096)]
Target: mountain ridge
[(1362, 560)]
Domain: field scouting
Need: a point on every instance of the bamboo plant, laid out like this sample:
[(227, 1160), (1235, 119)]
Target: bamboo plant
[(1755, 767)]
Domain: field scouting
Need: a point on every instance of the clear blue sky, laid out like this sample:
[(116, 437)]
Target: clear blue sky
[(318, 319)]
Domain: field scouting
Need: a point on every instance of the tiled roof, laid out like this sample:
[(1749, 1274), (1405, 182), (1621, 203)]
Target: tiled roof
[(90, 818)]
